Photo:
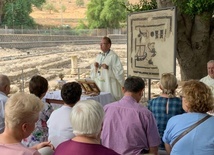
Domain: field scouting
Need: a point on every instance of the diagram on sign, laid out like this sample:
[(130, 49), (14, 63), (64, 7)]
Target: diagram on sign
[(151, 43)]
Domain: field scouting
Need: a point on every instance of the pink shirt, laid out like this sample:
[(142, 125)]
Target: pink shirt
[(128, 127), (16, 149)]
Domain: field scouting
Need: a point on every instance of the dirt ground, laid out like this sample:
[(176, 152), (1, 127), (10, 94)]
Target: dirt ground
[(14, 61)]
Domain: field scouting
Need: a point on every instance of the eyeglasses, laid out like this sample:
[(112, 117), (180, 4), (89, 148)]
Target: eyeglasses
[(103, 43)]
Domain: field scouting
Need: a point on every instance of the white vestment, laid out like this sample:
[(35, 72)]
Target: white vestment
[(209, 82), (111, 79)]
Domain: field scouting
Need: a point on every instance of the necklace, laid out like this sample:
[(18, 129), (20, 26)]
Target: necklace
[(104, 55)]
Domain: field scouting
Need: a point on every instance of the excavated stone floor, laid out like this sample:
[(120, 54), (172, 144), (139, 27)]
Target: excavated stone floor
[(21, 65)]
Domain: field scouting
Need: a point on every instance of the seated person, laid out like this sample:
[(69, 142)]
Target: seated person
[(61, 82), (86, 119), (197, 99), (129, 127), (38, 86), (4, 91), (209, 79), (59, 126), (21, 114), (167, 104)]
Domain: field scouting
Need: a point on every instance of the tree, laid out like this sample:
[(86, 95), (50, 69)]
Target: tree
[(195, 35), (80, 3), (93, 13), (105, 13), (17, 12), (141, 6), (63, 8), (1, 9), (50, 7)]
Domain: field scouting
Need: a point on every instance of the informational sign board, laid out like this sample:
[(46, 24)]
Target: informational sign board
[(152, 43)]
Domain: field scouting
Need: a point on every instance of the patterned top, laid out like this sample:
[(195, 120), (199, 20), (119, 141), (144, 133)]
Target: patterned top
[(40, 134), (158, 106)]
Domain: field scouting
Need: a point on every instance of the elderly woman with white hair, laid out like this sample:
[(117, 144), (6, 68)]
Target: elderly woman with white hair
[(21, 114), (86, 119)]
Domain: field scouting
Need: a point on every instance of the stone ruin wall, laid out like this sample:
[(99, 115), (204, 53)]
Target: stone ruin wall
[(48, 67), (33, 41)]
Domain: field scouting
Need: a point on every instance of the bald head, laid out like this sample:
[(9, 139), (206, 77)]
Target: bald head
[(4, 84)]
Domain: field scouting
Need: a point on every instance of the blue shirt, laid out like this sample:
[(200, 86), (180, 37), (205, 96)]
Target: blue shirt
[(158, 107), (199, 141)]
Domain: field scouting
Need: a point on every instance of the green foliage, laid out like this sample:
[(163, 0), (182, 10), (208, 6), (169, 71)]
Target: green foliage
[(37, 3), (112, 13), (105, 13), (80, 3), (93, 13), (17, 12), (141, 6), (195, 7), (81, 25), (63, 8), (49, 7)]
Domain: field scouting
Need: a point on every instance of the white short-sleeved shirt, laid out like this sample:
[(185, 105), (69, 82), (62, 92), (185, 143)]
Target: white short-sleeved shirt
[(59, 126)]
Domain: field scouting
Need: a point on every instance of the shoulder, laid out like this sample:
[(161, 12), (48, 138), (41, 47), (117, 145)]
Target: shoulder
[(18, 148), (63, 145), (108, 151), (3, 97), (177, 119), (156, 99), (113, 53), (107, 106), (204, 78), (175, 100), (62, 111)]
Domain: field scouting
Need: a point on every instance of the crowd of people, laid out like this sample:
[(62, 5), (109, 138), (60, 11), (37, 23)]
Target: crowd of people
[(168, 125)]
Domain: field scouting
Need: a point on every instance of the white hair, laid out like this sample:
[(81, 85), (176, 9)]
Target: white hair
[(22, 107), (86, 118), (210, 62)]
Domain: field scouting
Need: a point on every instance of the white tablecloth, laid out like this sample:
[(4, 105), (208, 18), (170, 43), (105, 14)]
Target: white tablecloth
[(104, 97)]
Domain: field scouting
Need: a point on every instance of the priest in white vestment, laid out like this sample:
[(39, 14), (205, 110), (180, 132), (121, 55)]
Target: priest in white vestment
[(209, 79), (107, 71)]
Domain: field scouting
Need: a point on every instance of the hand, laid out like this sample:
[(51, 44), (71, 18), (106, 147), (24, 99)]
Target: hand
[(43, 144), (96, 64), (105, 66)]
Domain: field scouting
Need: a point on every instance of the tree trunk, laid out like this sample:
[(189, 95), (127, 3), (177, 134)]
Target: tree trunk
[(195, 42), (1, 9)]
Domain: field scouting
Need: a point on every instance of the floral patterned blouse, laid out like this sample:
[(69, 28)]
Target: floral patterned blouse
[(40, 134)]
